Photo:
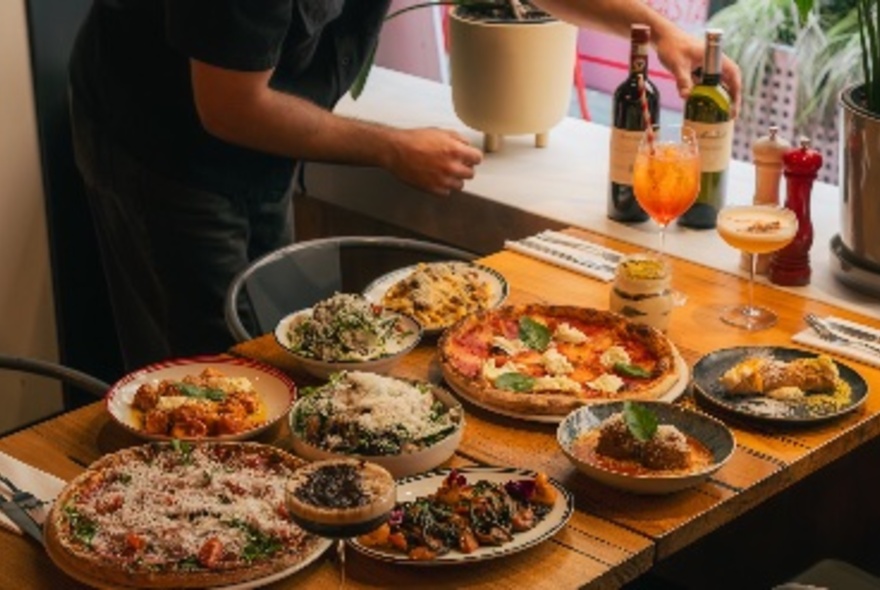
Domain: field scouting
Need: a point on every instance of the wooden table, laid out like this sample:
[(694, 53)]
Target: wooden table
[(613, 537)]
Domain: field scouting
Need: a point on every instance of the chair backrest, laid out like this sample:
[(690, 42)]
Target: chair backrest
[(66, 375), (302, 274)]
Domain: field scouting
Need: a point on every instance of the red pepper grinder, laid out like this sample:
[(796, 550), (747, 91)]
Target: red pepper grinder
[(790, 266)]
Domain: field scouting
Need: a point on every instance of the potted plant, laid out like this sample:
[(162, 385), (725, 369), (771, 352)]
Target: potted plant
[(511, 67), (857, 247)]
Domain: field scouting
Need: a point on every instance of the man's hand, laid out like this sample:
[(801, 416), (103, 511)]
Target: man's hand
[(681, 54), (435, 160)]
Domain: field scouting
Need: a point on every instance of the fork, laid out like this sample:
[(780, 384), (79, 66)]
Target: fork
[(829, 335), (24, 499)]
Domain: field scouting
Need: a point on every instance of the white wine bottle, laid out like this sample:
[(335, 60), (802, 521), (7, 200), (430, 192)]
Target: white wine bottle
[(707, 112), (627, 128)]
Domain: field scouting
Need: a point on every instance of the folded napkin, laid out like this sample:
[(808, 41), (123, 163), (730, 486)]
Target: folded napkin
[(810, 338), (28, 478), (569, 252)]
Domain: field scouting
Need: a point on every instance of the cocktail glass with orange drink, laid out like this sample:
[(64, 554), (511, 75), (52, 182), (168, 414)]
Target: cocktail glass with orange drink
[(666, 174), (755, 229)]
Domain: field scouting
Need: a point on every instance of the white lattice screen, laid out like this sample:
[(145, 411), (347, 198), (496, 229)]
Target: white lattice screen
[(776, 104)]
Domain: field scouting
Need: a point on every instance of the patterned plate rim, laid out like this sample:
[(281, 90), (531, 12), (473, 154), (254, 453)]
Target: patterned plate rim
[(564, 507), (139, 374)]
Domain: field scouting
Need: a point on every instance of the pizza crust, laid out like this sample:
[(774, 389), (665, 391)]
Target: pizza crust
[(467, 343), (85, 565)]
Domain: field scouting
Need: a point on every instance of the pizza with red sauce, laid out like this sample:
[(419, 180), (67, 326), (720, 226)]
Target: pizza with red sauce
[(549, 360), (179, 516)]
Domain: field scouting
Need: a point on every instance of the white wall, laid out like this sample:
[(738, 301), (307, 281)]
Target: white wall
[(27, 320)]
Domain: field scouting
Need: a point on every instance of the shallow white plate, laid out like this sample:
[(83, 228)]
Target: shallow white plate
[(675, 392), (412, 334), (498, 288), (422, 485), (277, 390)]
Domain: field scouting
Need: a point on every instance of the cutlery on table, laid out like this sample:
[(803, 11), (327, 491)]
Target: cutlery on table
[(579, 244), (18, 508), (852, 331), (829, 334), (587, 261)]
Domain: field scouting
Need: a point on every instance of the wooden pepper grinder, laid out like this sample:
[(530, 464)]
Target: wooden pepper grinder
[(767, 152), (790, 266)]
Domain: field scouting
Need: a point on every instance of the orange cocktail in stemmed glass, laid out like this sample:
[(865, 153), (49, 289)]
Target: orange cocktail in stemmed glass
[(666, 174)]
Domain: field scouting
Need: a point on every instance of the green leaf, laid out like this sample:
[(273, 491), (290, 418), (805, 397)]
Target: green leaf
[(198, 392), (83, 528), (535, 334), (641, 421), (515, 382), (804, 7), (628, 370)]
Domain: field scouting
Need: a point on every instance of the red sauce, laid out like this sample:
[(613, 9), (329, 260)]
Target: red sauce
[(584, 448)]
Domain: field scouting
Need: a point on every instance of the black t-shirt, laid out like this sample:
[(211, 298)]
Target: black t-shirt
[(130, 72)]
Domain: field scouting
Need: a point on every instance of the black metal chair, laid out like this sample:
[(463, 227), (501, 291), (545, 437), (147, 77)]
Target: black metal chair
[(302, 274), (68, 376)]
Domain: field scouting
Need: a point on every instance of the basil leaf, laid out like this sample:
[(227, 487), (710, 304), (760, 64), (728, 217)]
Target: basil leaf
[(184, 448), (84, 528), (535, 334), (641, 421), (514, 382), (628, 370), (197, 392)]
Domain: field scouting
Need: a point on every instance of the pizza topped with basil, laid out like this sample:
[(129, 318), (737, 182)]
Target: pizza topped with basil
[(179, 515), (541, 359)]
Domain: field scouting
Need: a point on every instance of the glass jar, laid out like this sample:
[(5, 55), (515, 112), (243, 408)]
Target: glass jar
[(642, 291)]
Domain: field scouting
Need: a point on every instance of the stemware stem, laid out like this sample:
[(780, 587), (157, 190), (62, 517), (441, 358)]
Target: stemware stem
[(753, 262), (340, 555)]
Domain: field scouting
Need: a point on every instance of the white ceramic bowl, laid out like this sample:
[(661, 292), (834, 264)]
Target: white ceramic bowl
[(401, 465), (411, 334), (709, 431)]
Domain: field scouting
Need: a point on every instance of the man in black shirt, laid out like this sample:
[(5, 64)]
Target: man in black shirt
[(189, 117)]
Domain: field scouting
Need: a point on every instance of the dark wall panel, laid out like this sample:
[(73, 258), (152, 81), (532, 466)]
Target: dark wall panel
[(86, 334)]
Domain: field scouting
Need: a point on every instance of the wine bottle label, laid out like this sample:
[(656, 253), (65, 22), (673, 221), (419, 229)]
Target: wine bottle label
[(624, 145), (715, 141)]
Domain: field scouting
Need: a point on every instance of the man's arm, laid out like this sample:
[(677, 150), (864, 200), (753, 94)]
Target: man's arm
[(241, 108), (679, 52)]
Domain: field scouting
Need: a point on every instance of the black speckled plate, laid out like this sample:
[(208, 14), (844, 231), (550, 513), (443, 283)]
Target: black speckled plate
[(708, 370)]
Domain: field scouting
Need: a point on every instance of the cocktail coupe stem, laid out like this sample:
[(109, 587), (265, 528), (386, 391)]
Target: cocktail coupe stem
[(754, 229)]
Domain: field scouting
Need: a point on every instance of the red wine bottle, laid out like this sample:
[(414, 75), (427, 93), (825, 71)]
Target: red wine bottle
[(628, 127)]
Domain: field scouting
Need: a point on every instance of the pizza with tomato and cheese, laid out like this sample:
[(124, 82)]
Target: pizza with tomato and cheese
[(549, 360), (181, 515)]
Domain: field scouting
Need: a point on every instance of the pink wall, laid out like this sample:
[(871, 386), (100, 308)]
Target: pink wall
[(411, 43), (605, 58)]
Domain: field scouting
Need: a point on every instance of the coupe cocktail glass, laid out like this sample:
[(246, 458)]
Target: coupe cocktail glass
[(666, 174), (755, 229)]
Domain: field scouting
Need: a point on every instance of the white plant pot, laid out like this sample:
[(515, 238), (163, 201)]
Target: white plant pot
[(511, 78)]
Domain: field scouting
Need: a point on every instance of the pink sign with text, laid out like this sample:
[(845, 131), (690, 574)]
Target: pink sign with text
[(605, 58)]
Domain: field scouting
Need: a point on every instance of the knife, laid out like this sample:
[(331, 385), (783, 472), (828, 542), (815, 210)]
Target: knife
[(852, 331), (22, 519)]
